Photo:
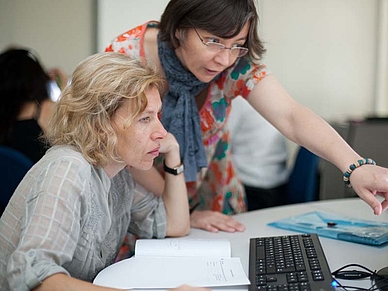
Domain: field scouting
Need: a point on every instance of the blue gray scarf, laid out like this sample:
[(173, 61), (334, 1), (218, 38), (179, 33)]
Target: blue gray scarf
[(179, 111)]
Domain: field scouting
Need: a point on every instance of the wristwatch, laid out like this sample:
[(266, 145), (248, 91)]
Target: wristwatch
[(175, 171)]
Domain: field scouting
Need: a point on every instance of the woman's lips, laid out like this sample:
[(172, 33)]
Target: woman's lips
[(211, 72), (155, 152)]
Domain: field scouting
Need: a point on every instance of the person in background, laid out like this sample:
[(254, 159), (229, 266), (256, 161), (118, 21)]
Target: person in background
[(259, 155), (26, 105), (210, 52), (69, 215)]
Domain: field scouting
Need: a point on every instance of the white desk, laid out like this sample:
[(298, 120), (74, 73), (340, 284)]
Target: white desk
[(338, 253)]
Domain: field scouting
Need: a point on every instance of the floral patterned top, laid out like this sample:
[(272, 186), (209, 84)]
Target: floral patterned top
[(217, 187)]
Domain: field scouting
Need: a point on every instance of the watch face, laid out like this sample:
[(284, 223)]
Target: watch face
[(180, 169)]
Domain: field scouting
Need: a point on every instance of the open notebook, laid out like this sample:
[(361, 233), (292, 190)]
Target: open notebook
[(171, 262)]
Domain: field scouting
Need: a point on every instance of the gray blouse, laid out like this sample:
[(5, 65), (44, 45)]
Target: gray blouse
[(67, 216)]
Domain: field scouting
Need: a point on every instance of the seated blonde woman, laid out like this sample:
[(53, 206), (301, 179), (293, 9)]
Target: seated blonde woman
[(69, 215)]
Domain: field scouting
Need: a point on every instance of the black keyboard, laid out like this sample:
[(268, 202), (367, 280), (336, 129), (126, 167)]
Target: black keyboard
[(288, 263)]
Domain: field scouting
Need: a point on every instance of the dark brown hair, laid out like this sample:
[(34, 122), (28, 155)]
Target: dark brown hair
[(223, 18)]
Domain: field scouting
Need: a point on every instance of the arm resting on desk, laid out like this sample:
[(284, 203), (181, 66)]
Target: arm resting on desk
[(59, 282)]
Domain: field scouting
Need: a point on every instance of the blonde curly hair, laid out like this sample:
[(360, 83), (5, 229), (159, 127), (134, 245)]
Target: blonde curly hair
[(98, 87)]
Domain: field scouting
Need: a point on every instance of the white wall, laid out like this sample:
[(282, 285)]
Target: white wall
[(323, 52), (62, 32), (381, 87), (115, 19)]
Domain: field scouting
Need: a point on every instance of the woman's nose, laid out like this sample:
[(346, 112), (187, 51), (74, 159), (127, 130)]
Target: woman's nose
[(160, 131), (224, 58)]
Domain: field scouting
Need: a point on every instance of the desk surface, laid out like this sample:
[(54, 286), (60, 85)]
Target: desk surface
[(338, 253)]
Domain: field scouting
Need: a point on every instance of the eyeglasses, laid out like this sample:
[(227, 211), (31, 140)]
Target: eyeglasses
[(216, 47)]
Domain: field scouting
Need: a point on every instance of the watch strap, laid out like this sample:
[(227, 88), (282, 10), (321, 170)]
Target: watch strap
[(174, 171)]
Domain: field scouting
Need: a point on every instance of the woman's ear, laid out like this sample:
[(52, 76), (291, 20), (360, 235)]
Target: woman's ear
[(180, 34)]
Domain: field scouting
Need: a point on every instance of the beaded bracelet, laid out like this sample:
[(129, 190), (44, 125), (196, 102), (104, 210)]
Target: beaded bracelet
[(354, 166)]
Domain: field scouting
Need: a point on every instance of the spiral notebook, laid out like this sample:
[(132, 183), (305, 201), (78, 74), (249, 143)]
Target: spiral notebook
[(337, 227)]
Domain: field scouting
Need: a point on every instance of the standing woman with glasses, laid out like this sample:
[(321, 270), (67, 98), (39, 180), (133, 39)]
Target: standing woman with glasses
[(210, 52)]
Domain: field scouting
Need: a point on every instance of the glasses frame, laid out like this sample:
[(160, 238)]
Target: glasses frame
[(242, 51)]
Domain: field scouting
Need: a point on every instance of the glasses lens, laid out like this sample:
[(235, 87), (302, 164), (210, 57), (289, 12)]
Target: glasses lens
[(239, 51), (214, 47), (217, 47)]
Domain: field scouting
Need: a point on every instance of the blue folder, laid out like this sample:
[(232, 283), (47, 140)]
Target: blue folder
[(337, 227)]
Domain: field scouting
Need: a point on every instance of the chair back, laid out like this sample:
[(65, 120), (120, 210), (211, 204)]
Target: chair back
[(13, 166), (303, 185)]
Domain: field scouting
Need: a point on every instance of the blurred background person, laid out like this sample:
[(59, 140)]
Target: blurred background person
[(259, 154), (27, 94)]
